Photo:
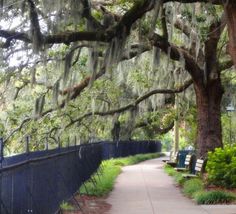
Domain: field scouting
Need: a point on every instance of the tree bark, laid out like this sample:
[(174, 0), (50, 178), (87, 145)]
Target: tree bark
[(230, 10), (209, 130)]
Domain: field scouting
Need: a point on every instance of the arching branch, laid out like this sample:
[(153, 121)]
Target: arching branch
[(157, 129), (135, 103), (177, 53)]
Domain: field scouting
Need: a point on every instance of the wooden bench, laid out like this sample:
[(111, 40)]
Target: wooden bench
[(199, 168), (187, 163), (174, 160)]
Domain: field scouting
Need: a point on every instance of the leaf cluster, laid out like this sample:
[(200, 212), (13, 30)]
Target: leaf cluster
[(221, 167)]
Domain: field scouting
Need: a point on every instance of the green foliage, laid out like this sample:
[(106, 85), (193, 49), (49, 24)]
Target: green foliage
[(192, 186), (154, 121), (228, 126), (214, 197), (110, 170), (177, 175), (221, 167), (111, 91), (105, 182), (179, 179), (169, 170), (188, 132), (166, 141), (66, 206)]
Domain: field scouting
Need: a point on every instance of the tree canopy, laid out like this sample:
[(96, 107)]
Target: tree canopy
[(68, 65)]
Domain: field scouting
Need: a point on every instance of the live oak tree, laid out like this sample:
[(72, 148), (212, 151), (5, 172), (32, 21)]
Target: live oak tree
[(187, 39)]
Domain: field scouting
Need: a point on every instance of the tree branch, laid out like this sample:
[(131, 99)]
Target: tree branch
[(34, 26), (17, 129), (13, 35), (157, 129), (226, 65), (176, 53), (135, 103), (212, 65), (216, 2)]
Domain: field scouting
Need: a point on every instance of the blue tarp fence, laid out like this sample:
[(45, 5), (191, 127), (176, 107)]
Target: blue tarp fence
[(37, 182)]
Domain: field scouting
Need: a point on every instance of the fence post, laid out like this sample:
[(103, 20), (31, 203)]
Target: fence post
[(68, 142), (75, 141), (59, 143), (46, 144), (1, 151), (27, 140)]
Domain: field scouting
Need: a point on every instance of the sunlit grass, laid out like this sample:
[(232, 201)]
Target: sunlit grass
[(110, 169)]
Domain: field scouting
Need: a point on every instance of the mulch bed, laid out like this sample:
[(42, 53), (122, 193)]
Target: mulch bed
[(89, 205), (212, 187)]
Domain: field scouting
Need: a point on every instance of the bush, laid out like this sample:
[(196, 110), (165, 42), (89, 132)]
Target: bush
[(192, 186), (221, 167), (214, 197)]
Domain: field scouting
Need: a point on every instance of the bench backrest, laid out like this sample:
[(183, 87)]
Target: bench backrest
[(187, 160), (199, 165)]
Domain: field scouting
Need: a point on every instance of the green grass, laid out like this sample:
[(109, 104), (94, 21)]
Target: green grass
[(110, 170), (192, 186), (214, 197), (66, 206), (169, 170), (177, 175)]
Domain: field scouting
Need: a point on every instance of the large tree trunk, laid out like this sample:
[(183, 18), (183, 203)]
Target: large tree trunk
[(209, 131), (230, 10)]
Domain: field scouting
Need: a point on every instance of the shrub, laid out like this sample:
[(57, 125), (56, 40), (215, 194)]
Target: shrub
[(192, 186), (221, 167), (214, 197)]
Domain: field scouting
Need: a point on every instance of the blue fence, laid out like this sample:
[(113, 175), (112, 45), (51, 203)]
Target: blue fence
[(37, 182)]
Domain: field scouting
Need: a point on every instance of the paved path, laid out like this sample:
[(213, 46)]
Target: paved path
[(145, 189)]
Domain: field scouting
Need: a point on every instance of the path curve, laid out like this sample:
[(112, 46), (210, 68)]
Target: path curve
[(145, 189)]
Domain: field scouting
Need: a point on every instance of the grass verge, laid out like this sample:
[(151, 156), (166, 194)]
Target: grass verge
[(110, 170), (194, 188), (177, 175), (214, 197)]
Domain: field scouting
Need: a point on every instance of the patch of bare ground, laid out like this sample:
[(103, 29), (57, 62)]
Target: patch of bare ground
[(88, 205), (212, 187)]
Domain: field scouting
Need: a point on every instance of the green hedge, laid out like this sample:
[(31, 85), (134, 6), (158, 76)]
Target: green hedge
[(221, 167)]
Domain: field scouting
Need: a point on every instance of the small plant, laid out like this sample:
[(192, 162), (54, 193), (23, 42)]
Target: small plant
[(192, 186), (214, 197), (66, 206), (221, 167)]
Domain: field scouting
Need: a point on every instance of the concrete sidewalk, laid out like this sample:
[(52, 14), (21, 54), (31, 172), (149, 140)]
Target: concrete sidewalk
[(145, 189)]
